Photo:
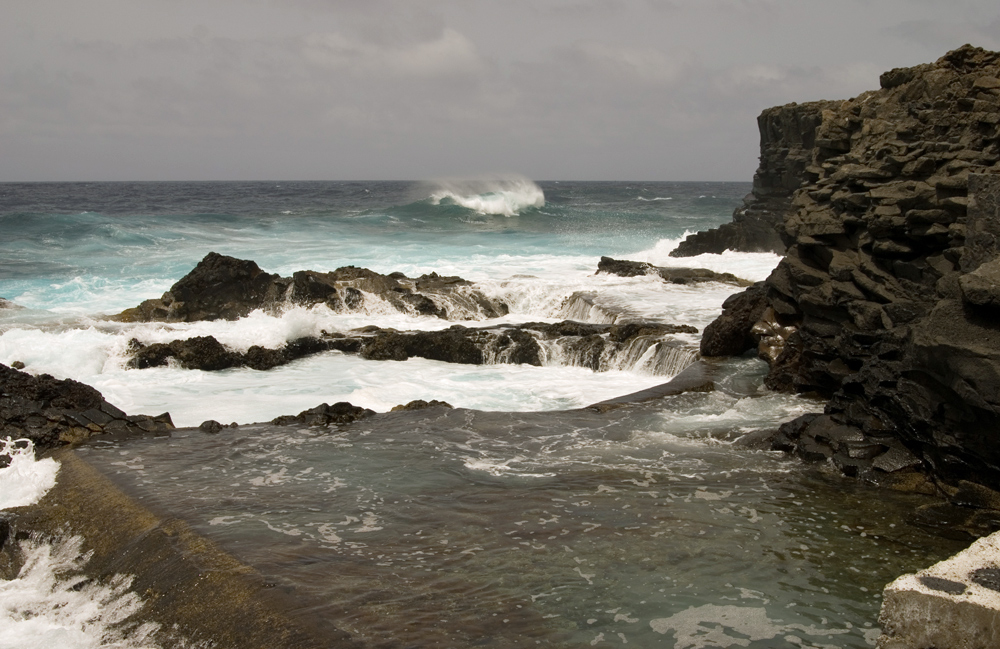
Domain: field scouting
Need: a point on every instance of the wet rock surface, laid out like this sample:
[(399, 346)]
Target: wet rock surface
[(731, 334), (325, 415), (953, 603), (420, 404), (887, 296), (588, 345), (625, 268), (52, 412), (226, 288), (207, 353)]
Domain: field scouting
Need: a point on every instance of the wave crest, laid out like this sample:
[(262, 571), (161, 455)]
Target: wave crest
[(495, 196)]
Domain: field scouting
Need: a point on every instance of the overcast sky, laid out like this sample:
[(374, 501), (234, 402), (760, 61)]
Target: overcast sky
[(416, 89)]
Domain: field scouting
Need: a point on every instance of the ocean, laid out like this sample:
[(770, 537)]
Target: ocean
[(516, 519)]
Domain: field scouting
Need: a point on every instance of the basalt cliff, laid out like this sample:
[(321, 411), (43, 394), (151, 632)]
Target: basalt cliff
[(787, 142), (888, 299)]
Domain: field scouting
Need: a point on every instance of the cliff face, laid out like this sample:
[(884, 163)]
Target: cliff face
[(787, 138), (888, 299)]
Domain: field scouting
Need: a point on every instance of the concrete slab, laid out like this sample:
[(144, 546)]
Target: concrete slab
[(954, 604)]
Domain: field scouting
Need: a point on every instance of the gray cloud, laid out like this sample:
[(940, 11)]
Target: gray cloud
[(636, 89)]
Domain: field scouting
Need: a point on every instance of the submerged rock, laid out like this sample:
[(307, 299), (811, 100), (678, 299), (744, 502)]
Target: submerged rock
[(51, 412), (226, 288)]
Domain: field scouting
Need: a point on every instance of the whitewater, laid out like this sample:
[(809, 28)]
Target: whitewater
[(72, 264), (519, 518)]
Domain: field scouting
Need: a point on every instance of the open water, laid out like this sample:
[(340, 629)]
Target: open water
[(516, 519)]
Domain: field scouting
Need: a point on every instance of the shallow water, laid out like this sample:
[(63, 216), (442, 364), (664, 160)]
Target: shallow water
[(644, 525)]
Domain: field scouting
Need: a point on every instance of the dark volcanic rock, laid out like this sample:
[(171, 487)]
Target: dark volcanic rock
[(219, 287), (587, 345), (198, 353), (890, 277), (626, 268), (211, 426), (787, 141), (227, 288), (731, 334), (325, 415), (51, 412), (7, 304), (420, 404), (451, 346), (207, 353)]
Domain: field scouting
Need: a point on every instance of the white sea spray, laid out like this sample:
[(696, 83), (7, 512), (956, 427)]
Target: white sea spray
[(24, 480), (51, 603), (495, 196)]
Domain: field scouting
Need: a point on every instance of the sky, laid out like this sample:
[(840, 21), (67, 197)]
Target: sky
[(421, 89)]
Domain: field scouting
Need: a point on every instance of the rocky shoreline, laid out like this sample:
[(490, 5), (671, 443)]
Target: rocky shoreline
[(887, 209), (222, 287), (885, 302)]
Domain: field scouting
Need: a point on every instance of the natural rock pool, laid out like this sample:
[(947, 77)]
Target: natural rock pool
[(644, 525)]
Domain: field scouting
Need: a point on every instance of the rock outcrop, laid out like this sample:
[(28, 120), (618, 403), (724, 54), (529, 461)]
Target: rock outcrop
[(52, 412), (733, 333), (325, 415), (595, 346), (626, 268), (787, 142), (207, 353), (226, 288), (886, 301)]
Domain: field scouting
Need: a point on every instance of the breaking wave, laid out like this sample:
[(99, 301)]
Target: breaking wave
[(497, 196)]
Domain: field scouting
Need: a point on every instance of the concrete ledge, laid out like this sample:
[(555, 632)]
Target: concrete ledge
[(190, 587), (954, 604)]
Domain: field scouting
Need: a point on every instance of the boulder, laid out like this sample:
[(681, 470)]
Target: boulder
[(981, 287), (731, 333), (226, 288), (52, 412), (420, 404)]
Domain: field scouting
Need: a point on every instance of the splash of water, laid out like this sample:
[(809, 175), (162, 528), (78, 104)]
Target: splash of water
[(497, 196), (52, 604), (24, 480)]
